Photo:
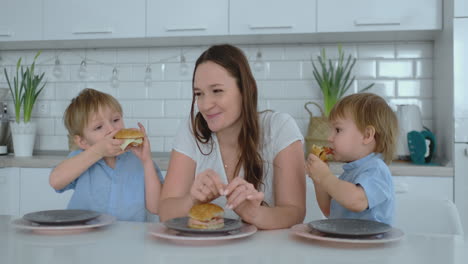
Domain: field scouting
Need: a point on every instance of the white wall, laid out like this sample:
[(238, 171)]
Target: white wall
[(402, 71)]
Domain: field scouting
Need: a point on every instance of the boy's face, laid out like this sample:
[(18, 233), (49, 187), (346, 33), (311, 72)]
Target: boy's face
[(347, 140), (100, 124)]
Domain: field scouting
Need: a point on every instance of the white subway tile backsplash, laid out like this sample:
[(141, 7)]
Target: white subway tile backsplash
[(381, 87), (402, 73), (424, 68), (376, 51), (284, 70), (154, 108), (395, 69), (415, 88), (163, 127), (163, 90), (132, 55), (414, 50), (365, 69), (177, 108)]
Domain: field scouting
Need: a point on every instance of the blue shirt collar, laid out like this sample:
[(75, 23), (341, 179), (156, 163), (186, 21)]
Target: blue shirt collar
[(357, 163)]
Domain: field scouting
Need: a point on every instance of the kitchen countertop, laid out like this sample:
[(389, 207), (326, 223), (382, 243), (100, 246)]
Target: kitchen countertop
[(49, 159)]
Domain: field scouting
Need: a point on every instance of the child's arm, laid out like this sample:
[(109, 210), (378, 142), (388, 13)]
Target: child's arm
[(349, 195), (323, 198), (70, 169), (152, 183)]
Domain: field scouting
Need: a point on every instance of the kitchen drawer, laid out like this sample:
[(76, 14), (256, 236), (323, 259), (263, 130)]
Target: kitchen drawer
[(378, 15), (271, 17), (88, 19), (187, 18)]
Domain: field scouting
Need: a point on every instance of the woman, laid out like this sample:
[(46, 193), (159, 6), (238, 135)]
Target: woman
[(231, 155)]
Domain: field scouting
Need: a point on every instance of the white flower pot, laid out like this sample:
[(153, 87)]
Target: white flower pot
[(24, 135)]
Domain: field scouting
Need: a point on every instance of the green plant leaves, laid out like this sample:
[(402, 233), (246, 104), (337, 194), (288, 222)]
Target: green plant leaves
[(25, 89), (334, 78)]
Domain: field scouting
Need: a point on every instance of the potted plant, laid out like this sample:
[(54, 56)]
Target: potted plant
[(25, 88), (334, 79)]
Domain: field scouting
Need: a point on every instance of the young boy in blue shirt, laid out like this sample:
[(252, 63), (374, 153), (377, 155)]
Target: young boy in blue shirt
[(364, 134), (106, 179)]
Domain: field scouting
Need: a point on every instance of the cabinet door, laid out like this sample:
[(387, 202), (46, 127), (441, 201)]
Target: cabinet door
[(37, 194), (378, 15), (424, 187), (20, 20), (9, 191), (89, 19), (187, 18), (272, 17), (461, 8)]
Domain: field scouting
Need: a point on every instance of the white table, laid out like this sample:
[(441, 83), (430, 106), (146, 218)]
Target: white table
[(129, 242)]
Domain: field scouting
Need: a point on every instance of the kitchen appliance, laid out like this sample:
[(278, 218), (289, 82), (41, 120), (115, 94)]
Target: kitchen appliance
[(422, 146), (5, 133), (409, 119), (460, 114)]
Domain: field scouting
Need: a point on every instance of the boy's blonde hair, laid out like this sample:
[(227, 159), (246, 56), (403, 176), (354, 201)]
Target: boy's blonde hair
[(88, 102), (367, 109)]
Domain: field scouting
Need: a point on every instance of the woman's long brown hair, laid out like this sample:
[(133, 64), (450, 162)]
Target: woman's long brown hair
[(233, 60)]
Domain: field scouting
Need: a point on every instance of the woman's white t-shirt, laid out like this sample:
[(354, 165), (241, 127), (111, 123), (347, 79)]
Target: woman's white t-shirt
[(278, 130)]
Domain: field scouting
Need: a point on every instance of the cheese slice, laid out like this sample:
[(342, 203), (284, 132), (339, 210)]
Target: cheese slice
[(127, 142)]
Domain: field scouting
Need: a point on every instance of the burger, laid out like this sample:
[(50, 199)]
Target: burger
[(324, 153), (206, 216), (131, 137)]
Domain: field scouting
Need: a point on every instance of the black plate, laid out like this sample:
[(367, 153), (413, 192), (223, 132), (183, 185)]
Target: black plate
[(61, 217), (350, 227), (180, 224)]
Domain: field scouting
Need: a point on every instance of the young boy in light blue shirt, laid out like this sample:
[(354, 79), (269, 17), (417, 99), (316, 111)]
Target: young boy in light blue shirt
[(364, 134), (106, 179)]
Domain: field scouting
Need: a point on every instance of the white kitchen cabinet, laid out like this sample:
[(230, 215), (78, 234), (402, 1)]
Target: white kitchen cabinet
[(378, 15), (20, 20), (461, 182), (424, 187), (89, 19), (187, 18), (37, 194), (461, 8), (271, 17), (9, 191)]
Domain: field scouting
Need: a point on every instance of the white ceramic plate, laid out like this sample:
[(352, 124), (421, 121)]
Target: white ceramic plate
[(102, 220), (303, 230), (160, 230)]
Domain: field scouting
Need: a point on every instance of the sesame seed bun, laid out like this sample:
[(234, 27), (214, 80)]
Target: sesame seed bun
[(206, 216), (128, 133)]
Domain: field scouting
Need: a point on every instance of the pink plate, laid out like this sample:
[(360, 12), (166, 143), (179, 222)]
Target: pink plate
[(303, 230), (102, 220), (161, 231)]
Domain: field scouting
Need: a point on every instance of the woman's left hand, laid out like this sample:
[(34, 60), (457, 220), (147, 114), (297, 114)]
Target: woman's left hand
[(244, 199), (143, 152)]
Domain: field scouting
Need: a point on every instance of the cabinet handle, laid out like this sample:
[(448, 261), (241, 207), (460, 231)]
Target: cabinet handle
[(260, 27), (5, 34), (377, 21), (93, 31), (172, 29)]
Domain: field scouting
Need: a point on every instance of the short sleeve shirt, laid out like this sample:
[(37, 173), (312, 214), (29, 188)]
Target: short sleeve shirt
[(278, 130), (119, 192), (374, 176)]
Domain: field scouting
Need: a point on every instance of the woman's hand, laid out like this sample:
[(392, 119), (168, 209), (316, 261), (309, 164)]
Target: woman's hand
[(316, 168), (244, 199), (143, 152), (206, 187)]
